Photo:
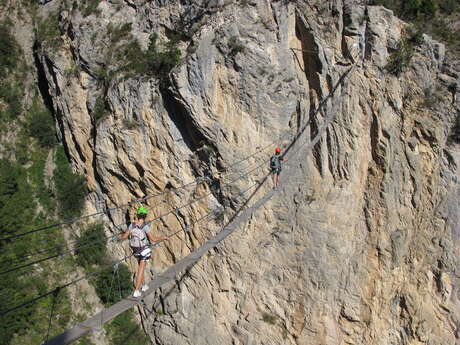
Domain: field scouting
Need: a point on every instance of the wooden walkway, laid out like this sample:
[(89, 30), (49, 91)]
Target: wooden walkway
[(96, 322)]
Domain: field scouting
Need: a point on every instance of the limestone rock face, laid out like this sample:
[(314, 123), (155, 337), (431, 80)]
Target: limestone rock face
[(360, 246)]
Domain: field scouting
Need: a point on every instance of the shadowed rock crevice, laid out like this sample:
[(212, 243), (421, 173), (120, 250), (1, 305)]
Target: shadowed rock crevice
[(42, 81), (312, 63), (202, 147), (185, 123)]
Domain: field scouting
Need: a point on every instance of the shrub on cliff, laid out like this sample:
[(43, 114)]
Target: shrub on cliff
[(91, 246), (100, 109), (70, 187), (9, 50), (41, 126), (160, 59), (402, 56), (10, 96), (112, 286), (124, 330)]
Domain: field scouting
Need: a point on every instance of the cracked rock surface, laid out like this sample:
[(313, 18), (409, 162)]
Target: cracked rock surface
[(360, 246)]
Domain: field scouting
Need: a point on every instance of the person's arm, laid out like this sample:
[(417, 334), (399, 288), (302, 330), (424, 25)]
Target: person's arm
[(125, 234), (156, 239)]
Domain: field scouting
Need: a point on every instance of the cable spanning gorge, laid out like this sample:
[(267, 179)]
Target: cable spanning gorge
[(229, 172)]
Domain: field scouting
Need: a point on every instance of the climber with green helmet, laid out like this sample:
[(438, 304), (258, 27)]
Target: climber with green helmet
[(139, 234)]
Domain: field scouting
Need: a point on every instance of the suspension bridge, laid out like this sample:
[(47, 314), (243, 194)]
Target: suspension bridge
[(241, 215)]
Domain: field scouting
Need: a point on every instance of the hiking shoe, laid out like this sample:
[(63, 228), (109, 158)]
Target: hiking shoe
[(144, 287), (137, 293)]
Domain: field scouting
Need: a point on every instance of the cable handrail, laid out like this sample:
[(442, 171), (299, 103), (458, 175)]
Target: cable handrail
[(88, 275), (310, 145), (149, 222), (110, 209), (20, 259)]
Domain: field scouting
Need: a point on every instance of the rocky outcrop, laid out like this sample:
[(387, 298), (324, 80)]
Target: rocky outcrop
[(359, 247)]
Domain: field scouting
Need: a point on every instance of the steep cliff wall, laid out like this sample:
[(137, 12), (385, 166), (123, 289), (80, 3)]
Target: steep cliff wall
[(360, 245)]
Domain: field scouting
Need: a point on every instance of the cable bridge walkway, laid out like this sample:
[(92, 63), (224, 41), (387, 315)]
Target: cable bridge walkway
[(240, 216), (96, 322)]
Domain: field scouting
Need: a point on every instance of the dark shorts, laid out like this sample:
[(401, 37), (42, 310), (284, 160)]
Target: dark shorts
[(142, 253), (276, 171)]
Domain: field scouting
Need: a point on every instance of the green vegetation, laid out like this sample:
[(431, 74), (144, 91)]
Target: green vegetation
[(41, 126), (117, 33), (10, 100), (18, 214), (442, 30), (99, 110), (48, 31), (15, 195), (157, 61), (91, 8), (11, 82), (96, 253), (112, 283), (269, 318), (125, 58), (93, 256), (429, 14), (28, 198), (235, 46), (70, 187), (112, 286), (124, 331), (36, 178), (85, 341), (9, 50), (411, 9), (400, 59)]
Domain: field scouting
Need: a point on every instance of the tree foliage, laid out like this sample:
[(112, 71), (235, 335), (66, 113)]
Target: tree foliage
[(124, 331), (9, 50), (112, 286), (16, 202), (10, 96), (41, 126), (411, 9), (17, 209), (70, 187), (157, 61), (92, 246), (161, 59)]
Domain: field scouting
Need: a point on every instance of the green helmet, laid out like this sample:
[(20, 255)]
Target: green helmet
[(142, 211)]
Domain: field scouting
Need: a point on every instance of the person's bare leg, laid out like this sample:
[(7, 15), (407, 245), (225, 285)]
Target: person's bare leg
[(274, 179), (277, 179), (140, 274)]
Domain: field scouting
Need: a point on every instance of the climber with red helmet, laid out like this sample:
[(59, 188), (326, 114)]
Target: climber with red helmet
[(139, 234), (275, 166)]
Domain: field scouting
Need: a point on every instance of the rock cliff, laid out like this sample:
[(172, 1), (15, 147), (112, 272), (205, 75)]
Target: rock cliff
[(360, 246)]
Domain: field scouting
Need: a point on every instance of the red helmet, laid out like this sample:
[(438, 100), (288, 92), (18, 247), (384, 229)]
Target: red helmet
[(277, 150)]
